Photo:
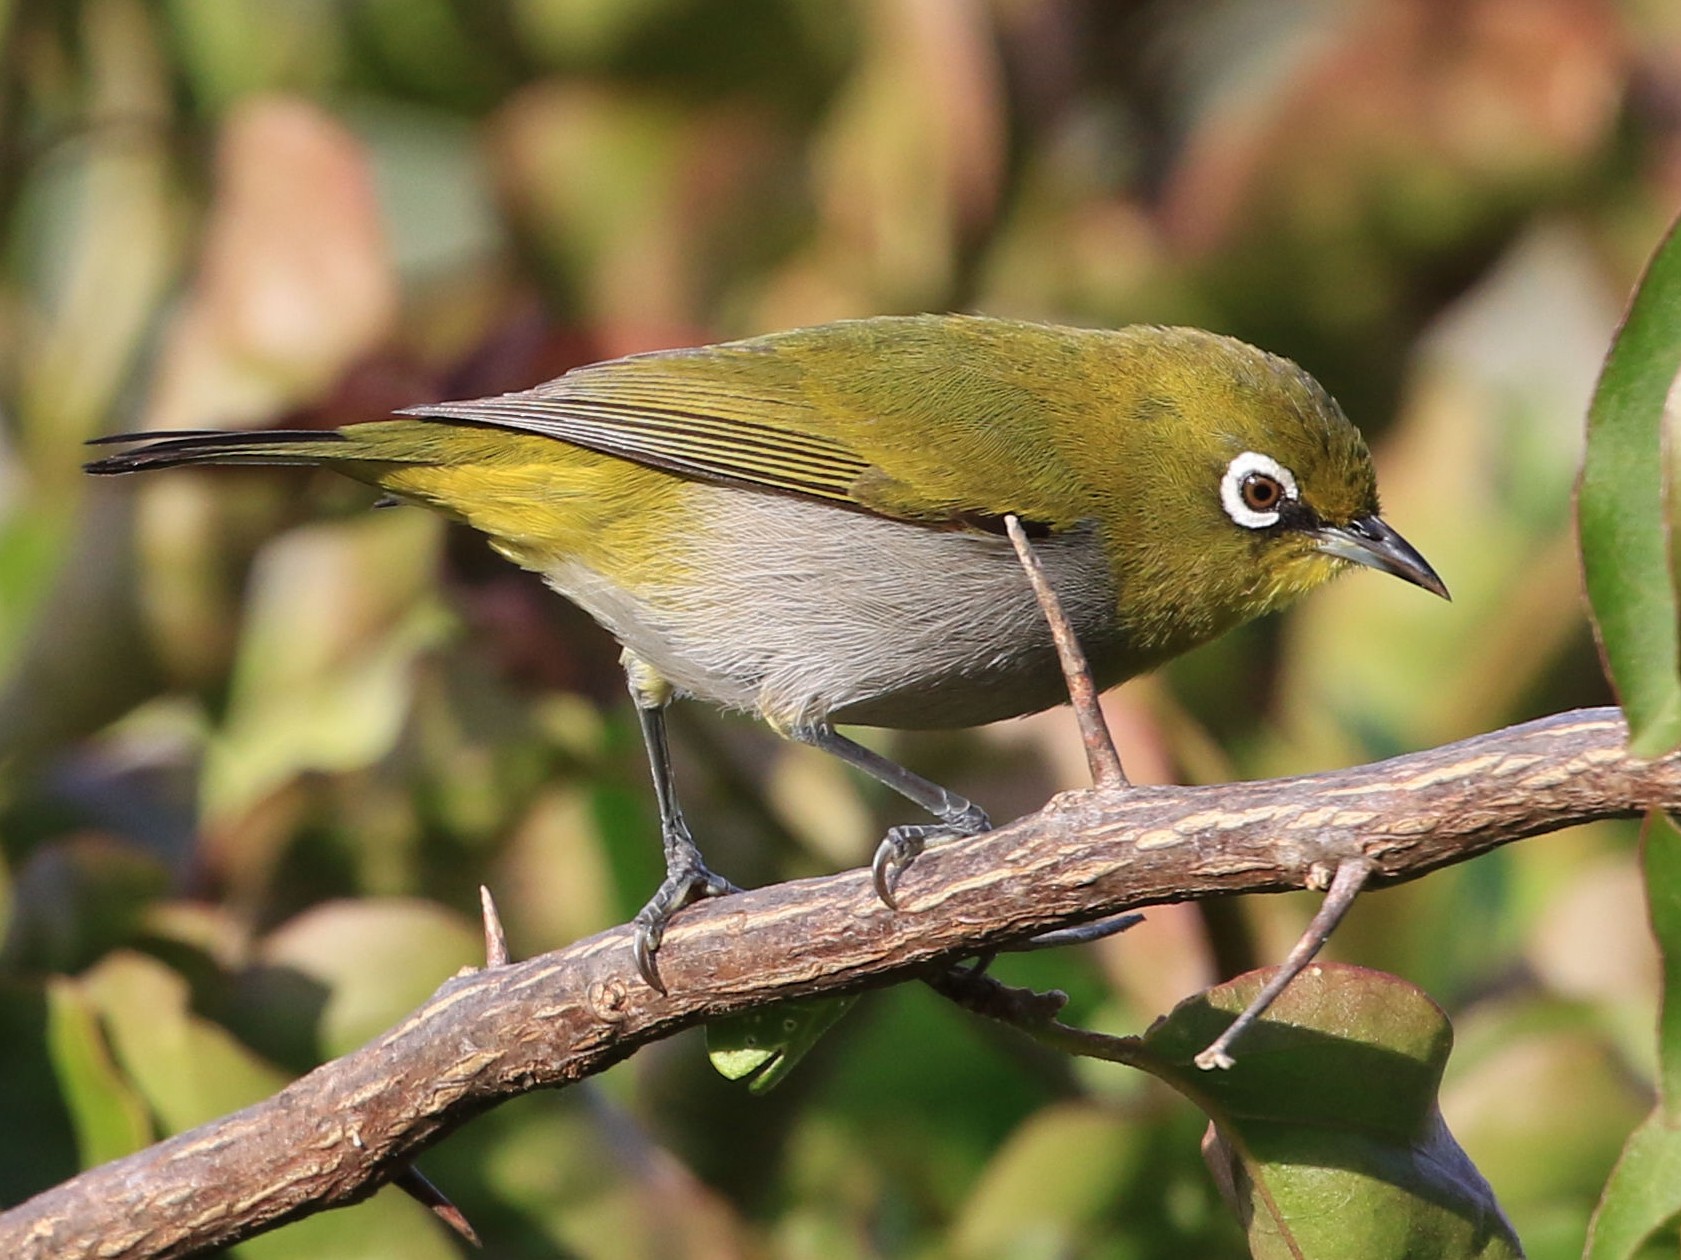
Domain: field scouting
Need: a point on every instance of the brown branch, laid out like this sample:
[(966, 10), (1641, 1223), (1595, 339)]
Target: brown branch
[(337, 1134)]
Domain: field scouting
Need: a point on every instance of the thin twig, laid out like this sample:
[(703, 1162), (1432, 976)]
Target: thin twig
[(1101, 756), (1035, 1014), (974, 990), (1351, 877)]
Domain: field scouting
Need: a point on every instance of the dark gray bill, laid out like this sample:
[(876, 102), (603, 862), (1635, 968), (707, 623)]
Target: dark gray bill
[(1368, 540)]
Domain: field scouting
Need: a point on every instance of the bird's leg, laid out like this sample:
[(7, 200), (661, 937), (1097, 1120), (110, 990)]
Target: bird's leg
[(958, 817), (687, 877)]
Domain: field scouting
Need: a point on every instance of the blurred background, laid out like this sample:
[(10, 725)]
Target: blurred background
[(259, 746)]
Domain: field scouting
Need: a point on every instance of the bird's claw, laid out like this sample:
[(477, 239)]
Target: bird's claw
[(902, 845), (647, 943), (683, 885), (892, 856)]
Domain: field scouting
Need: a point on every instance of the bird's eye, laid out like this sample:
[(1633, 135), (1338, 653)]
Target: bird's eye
[(1255, 488), (1261, 493)]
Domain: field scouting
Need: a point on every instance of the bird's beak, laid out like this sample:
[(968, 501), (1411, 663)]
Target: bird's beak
[(1368, 540)]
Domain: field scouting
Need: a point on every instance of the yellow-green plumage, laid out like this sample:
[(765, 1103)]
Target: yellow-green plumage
[(807, 525)]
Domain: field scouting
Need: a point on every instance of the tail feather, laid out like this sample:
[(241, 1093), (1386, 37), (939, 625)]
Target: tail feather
[(172, 449)]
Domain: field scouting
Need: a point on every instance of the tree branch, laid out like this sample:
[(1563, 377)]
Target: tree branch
[(337, 1134)]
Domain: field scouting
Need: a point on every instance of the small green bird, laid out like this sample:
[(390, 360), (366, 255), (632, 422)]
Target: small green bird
[(808, 525)]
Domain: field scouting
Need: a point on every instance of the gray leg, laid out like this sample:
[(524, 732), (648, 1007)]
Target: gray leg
[(687, 877), (958, 817)]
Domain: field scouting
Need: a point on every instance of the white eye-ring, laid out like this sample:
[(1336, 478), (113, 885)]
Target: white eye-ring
[(1254, 488)]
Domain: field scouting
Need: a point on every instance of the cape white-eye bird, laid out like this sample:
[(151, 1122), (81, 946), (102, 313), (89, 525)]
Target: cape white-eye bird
[(808, 525)]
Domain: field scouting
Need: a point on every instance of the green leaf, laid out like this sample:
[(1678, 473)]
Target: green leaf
[(188, 1069), (763, 1046), (1330, 1143), (1661, 853), (1643, 1196), (109, 1117), (1621, 511)]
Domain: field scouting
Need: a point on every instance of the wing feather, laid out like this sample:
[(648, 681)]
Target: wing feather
[(684, 413)]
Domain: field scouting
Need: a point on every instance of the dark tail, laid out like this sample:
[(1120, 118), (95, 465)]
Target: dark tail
[(211, 446)]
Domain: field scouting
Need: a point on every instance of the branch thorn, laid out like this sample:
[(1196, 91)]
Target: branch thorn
[(495, 939), (418, 1187), (1082, 933)]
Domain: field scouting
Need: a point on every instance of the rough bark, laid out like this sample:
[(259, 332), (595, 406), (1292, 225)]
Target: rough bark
[(337, 1134)]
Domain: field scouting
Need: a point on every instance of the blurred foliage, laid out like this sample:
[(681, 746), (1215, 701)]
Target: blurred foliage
[(259, 747)]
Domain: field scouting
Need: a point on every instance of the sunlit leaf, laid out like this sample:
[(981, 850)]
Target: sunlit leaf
[(188, 1069), (1624, 525), (109, 1117), (763, 1046)]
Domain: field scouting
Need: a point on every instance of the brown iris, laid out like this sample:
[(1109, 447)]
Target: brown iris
[(1261, 493)]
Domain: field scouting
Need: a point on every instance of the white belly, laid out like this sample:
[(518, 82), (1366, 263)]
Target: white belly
[(801, 611)]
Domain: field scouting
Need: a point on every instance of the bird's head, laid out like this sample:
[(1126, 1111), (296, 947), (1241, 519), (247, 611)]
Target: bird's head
[(1251, 489)]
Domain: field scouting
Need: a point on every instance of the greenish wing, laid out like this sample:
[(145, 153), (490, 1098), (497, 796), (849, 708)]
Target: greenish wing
[(678, 412)]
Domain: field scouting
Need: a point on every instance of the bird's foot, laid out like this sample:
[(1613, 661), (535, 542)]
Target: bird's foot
[(687, 879), (903, 844)]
